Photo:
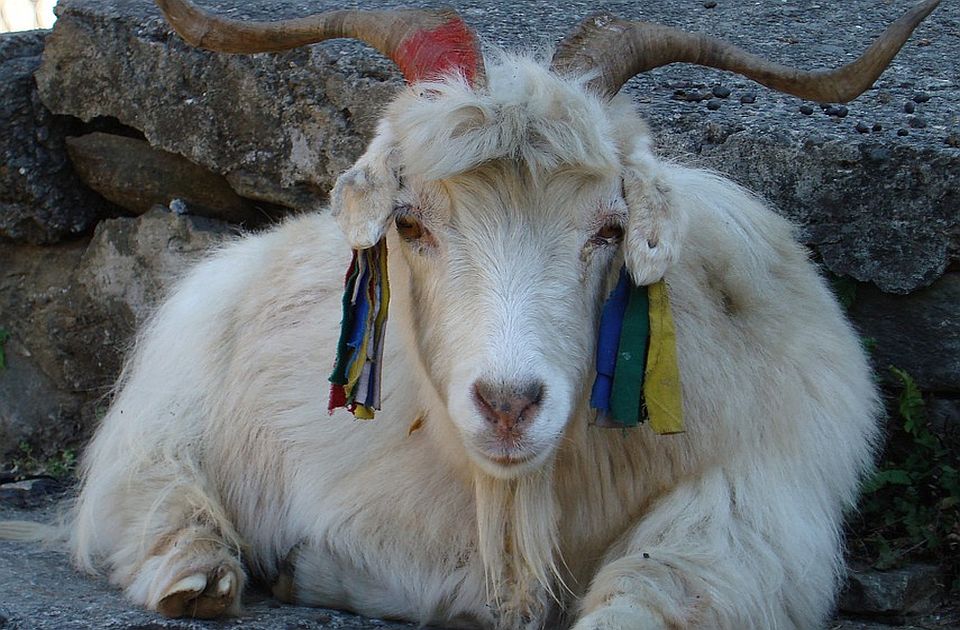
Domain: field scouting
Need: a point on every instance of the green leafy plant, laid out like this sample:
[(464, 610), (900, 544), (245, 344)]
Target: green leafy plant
[(25, 460), (62, 466), (911, 505), (27, 464)]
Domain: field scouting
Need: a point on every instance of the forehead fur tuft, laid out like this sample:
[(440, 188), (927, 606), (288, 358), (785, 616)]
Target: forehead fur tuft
[(525, 113)]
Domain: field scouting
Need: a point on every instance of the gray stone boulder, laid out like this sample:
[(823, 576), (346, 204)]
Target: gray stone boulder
[(894, 594), (33, 394), (71, 311), (878, 210), (41, 200), (279, 127), (135, 176), (919, 333)]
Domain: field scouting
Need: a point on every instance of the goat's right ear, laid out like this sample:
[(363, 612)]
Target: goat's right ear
[(362, 199), (655, 225)]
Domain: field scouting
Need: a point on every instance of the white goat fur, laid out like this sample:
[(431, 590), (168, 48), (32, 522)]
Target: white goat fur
[(218, 445)]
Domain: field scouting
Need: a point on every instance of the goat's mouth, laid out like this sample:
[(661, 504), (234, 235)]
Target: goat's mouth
[(510, 460), (501, 461)]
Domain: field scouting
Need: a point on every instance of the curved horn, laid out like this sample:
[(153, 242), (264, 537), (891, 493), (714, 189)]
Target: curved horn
[(423, 43), (620, 49)]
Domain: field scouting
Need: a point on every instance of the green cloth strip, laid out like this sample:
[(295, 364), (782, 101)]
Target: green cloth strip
[(626, 398), (339, 375)]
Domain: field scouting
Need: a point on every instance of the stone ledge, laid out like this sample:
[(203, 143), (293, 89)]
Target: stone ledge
[(878, 207)]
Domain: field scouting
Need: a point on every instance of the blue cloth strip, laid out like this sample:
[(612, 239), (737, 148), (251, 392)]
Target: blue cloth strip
[(608, 341)]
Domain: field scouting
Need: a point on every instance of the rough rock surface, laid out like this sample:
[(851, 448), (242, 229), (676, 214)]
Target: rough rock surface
[(919, 333), (880, 212), (71, 310), (913, 589), (879, 207), (39, 590), (135, 176), (41, 200), (280, 127), (34, 397), (130, 262), (944, 418)]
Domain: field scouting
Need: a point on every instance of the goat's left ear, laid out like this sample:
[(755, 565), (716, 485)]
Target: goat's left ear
[(362, 199), (655, 224)]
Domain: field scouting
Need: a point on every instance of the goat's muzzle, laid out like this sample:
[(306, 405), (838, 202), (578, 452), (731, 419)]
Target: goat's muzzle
[(508, 408)]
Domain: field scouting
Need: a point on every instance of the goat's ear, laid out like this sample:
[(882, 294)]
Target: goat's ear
[(655, 224), (362, 199)]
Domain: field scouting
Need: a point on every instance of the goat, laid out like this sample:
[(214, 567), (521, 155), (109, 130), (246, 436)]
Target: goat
[(484, 494)]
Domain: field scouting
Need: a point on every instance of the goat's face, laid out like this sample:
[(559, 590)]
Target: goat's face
[(506, 276), (513, 212)]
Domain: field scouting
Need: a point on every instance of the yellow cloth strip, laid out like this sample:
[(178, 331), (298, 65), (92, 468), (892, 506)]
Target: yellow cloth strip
[(384, 287), (359, 361), (661, 386), (362, 412)]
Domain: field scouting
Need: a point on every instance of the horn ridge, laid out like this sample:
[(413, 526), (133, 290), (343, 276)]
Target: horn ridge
[(423, 43), (619, 49)]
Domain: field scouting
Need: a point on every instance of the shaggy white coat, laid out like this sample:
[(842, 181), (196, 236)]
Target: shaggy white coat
[(218, 460)]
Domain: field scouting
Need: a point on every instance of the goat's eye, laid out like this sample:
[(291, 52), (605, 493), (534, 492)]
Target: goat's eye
[(609, 233), (408, 227)]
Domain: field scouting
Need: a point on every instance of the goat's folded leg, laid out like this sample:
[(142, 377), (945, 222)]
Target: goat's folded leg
[(722, 552), (190, 572), (162, 534)]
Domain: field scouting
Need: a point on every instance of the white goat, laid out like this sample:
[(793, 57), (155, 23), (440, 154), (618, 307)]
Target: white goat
[(483, 495)]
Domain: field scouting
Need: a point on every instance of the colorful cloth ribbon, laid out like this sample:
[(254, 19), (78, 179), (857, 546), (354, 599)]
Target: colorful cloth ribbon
[(637, 372), (356, 378)]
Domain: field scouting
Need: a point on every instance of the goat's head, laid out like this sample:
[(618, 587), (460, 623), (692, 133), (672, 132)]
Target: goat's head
[(514, 207), (517, 191)]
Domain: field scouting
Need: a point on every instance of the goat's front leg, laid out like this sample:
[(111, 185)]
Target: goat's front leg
[(163, 534), (721, 552)]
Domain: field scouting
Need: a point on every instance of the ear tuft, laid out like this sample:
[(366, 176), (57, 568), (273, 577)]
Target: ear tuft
[(362, 201), (363, 197), (655, 225)]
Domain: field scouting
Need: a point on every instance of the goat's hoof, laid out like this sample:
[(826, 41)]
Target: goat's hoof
[(201, 595)]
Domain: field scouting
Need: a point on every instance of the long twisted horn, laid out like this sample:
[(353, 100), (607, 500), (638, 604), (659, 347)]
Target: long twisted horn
[(423, 43), (620, 49)]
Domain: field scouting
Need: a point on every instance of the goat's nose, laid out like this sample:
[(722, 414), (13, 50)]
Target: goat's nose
[(506, 405)]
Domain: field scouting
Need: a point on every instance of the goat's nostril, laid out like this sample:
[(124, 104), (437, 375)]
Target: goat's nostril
[(507, 404), (533, 392)]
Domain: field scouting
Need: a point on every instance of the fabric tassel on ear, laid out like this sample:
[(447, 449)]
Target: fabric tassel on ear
[(637, 372), (356, 378)]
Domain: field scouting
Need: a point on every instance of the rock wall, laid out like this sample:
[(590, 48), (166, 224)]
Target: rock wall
[(878, 206)]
